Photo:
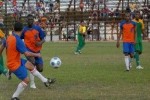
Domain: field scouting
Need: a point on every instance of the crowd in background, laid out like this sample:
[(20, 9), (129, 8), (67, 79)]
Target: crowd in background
[(51, 7)]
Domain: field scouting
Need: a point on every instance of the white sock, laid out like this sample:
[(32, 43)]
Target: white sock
[(130, 61), (126, 58), (31, 78), (22, 85), (39, 75)]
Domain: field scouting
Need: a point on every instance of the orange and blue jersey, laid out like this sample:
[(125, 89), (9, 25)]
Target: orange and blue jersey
[(14, 46), (31, 36), (128, 29)]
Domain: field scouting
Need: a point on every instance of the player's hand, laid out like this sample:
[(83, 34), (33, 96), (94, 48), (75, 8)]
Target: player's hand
[(38, 43), (117, 44), (38, 55)]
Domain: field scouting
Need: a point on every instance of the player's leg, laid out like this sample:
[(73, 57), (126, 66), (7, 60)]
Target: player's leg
[(79, 44), (36, 73), (131, 52), (32, 83), (2, 69), (21, 73), (126, 55), (82, 43), (39, 64), (136, 55)]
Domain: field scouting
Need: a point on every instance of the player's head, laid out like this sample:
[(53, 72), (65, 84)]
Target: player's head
[(18, 26), (137, 15), (127, 16), (82, 23), (30, 20)]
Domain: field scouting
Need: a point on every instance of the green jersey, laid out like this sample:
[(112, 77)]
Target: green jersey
[(139, 29)]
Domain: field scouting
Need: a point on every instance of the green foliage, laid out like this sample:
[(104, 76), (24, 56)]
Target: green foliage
[(97, 74)]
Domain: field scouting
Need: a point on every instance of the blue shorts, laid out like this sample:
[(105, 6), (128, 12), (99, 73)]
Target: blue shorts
[(128, 48), (38, 60), (21, 72)]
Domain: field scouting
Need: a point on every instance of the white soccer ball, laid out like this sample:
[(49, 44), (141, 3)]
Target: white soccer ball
[(55, 62)]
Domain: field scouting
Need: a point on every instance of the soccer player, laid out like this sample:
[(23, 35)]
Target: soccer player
[(127, 30), (138, 45), (33, 36), (14, 48), (2, 68), (81, 37)]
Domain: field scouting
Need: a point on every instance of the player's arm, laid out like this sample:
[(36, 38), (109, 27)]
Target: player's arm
[(118, 39), (143, 28), (22, 49), (41, 36), (135, 32), (30, 54), (39, 43), (2, 35), (3, 45), (1, 49), (119, 35)]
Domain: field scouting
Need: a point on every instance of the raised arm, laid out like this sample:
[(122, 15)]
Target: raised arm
[(1, 49), (29, 54), (3, 45)]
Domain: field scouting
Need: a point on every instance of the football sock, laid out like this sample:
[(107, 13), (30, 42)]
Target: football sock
[(137, 59), (39, 75), (126, 58), (31, 78), (22, 85), (130, 60)]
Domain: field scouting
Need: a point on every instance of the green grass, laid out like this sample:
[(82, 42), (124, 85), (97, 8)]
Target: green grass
[(97, 74)]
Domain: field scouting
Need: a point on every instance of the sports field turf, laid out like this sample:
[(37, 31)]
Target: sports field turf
[(97, 74)]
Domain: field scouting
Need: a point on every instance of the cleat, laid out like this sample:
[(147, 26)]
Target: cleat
[(15, 98), (130, 65), (76, 53), (127, 70), (32, 86), (79, 51), (139, 67), (49, 82)]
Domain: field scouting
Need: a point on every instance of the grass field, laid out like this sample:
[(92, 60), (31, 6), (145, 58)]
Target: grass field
[(97, 74)]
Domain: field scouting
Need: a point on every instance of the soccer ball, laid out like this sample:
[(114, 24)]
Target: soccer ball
[(55, 62)]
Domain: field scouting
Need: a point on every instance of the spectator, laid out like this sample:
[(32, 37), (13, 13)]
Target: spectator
[(51, 6), (117, 12), (95, 15)]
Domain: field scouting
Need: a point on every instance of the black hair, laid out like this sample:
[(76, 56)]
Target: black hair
[(81, 21), (30, 15), (18, 26)]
